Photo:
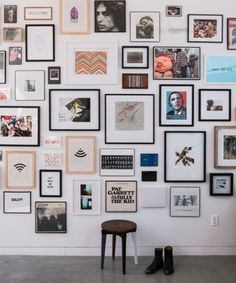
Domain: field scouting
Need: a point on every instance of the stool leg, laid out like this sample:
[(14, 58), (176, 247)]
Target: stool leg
[(123, 237), (104, 235), (113, 246), (135, 247)]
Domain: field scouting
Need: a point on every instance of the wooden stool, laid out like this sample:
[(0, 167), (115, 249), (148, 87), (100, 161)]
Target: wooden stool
[(120, 228)]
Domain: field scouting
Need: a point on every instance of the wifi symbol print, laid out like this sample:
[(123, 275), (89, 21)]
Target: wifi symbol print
[(20, 167), (80, 153)]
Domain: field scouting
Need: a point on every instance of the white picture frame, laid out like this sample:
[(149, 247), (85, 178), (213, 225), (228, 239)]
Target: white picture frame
[(16, 202)]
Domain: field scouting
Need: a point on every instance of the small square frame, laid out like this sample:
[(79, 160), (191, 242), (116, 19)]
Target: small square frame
[(221, 184), (135, 57), (50, 183), (16, 202), (54, 75), (173, 11)]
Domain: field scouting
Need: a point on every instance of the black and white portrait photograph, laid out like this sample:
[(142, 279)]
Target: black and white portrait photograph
[(10, 14)]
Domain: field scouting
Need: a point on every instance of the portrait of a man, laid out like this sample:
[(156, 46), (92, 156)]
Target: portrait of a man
[(176, 102)]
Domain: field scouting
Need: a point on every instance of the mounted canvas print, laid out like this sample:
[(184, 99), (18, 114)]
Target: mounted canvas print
[(110, 16), (17, 202), (12, 34), (221, 184), (50, 217), (54, 75), (10, 14), (74, 109), (2, 67), (20, 169), (231, 33), (145, 26), (117, 162), (121, 196), (135, 57), (30, 85), (92, 63), (74, 16), (80, 155), (86, 197), (129, 119), (37, 13), (214, 104), (173, 11), (135, 81), (50, 183), (205, 28), (20, 126), (176, 105), (185, 156), (185, 201), (176, 63)]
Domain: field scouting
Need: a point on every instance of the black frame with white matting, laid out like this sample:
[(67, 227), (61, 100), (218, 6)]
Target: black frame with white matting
[(17, 202), (135, 57), (50, 183), (54, 75), (221, 184)]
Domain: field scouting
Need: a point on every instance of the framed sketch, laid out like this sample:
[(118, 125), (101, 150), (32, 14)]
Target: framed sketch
[(50, 183), (50, 217), (135, 81), (12, 34), (10, 14), (220, 69), (121, 196), (17, 202), (37, 13), (221, 184), (185, 201), (30, 85), (145, 26), (5, 94), (135, 57), (20, 169), (214, 104), (176, 105), (52, 158), (2, 67), (176, 63), (15, 55), (80, 155), (39, 43), (86, 197), (129, 119), (54, 75), (74, 109), (117, 162), (231, 33), (110, 16), (205, 28), (225, 150), (74, 16), (20, 126), (92, 63), (185, 156), (173, 11)]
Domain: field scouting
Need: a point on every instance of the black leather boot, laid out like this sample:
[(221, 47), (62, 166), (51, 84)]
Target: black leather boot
[(168, 261), (157, 262)]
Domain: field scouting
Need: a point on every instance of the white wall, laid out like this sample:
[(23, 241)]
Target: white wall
[(155, 226)]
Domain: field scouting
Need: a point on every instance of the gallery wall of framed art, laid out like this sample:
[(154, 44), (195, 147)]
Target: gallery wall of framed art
[(130, 118)]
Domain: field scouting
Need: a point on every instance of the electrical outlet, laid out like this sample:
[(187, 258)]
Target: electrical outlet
[(214, 220)]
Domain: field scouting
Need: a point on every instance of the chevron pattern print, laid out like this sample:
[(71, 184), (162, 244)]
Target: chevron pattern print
[(91, 62)]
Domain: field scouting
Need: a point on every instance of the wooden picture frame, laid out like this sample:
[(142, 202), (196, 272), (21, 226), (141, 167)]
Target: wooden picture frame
[(221, 184), (50, 183), (38, 13), (12, 34), (134, 81)]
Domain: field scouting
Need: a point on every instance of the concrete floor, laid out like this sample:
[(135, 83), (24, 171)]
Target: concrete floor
[(51, 269)]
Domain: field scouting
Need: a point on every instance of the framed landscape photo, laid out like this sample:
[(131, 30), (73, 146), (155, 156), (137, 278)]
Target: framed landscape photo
[(92, 63), (145, 26), (225, 150), (110, 16), (80, 157), (2, 67), (214, 104), (176, 105), (74, 16), (129, 119), (39, 43), (121, 196), (221, 184), (17, 202), (205, 28), (20, 126), (37, 13), (117, 162), (50, 217), (231, 33), (20, 169), (74, 109), (173, 11), (86, 197), (50, 183), (185, 156), (176, 63), (10, 14), (54, 75), (135, 57), (12, 34), (185, 201), (29, 85), (135, 81)]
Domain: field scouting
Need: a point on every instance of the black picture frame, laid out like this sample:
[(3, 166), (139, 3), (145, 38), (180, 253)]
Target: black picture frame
[(3, 67), (221, 184), (231, 34), (213, 108), (135, 57), (44, 185), (54, 75), (17, 198), (46, 50)]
